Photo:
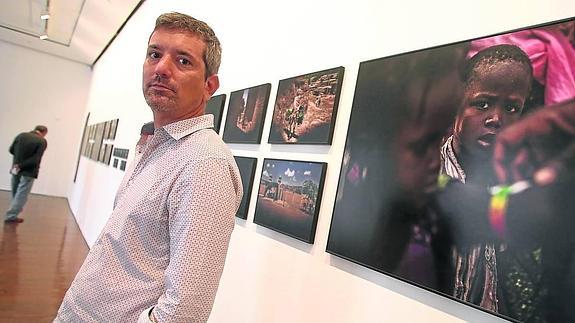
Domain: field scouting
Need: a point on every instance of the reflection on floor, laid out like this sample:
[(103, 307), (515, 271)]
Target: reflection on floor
[(38, 259)]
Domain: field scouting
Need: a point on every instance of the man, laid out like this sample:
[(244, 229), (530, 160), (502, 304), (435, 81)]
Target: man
[(161, 254), (27, 148)]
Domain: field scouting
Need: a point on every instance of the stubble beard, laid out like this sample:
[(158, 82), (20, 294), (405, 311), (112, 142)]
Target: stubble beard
[(159, 103)]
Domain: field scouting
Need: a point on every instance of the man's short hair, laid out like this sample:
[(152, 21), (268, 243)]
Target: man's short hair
[(213, 55), (40, 128)]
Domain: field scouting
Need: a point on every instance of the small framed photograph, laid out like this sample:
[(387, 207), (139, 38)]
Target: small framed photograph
[(98, 137), (113, 129), (108, 154), (247, 167), (215, 107), (246, 115), (102, 155), (107, 127), (90, 144), (86, 140), (289, 197), (306, 107), (123, 165)]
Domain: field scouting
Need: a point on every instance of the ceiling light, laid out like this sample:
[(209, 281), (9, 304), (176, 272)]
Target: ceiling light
[(44, 37), (45, 16)]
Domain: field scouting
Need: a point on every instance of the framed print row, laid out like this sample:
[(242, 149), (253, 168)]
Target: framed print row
[(304, 112), (96, 143)]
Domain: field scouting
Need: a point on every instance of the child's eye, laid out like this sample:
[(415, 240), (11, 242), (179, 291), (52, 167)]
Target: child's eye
[(511, 108), (480, 105)]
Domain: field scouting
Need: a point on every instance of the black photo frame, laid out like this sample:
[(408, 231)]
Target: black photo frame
[(247, 167), (113, 129), (215, 107), (289, 197), (305, 109), (394, 215), (98, 138), (246, 115)]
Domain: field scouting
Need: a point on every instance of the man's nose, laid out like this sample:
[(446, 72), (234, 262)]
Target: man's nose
[(164, 67)]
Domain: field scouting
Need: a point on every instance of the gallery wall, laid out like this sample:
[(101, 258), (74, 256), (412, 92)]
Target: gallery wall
[(38, 88), (270, 277)]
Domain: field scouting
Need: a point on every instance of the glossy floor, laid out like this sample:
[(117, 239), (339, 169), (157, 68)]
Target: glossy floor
[(38, 259)]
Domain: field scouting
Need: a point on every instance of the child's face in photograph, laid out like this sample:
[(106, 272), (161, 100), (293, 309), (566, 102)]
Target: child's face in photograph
[(492, 100), (418, 143)]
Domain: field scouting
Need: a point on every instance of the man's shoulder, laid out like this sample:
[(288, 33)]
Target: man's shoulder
[(203, 144), (23, 135)]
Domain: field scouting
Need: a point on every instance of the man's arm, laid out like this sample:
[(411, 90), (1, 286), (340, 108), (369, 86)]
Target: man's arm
[(12, 145), (34, 159), (202, 206)]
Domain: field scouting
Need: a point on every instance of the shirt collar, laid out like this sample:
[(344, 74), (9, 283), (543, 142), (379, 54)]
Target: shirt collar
[(182, 128)]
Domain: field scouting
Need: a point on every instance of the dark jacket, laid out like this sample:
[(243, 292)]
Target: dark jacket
[(28, 148)]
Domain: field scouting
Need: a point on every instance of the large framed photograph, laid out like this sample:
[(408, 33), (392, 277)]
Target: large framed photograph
[(306, 108), (246, 115), (289, 197), (215, 107), (486, 114), (247, 167)]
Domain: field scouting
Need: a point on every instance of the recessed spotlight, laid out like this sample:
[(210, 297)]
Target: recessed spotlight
[(44, 37), (45, 16)]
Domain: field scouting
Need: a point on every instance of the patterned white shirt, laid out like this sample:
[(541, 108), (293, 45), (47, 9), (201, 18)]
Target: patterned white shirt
[(165, 243)]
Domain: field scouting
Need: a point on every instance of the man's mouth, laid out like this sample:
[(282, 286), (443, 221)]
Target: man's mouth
[(160, 87), (486, 140)]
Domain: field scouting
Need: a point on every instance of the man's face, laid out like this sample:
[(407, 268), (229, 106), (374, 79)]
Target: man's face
[(174, 75), (491, 102)]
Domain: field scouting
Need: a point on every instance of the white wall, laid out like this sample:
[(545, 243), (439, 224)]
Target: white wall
[(270, 277), (38, 88)]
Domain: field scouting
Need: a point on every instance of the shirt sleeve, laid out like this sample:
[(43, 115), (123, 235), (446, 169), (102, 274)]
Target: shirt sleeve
[(201, 205)]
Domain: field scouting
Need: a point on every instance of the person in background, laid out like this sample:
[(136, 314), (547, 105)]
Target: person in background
[(27, 149), (161, 254)]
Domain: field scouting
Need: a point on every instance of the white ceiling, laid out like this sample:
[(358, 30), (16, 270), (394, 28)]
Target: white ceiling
[(78, 30)]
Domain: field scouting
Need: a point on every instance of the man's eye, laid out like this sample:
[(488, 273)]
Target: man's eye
[(480, 105), (154, 55), (184, 61)]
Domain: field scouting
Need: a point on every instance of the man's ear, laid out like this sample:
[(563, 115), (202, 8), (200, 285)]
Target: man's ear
[(211, 85)]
